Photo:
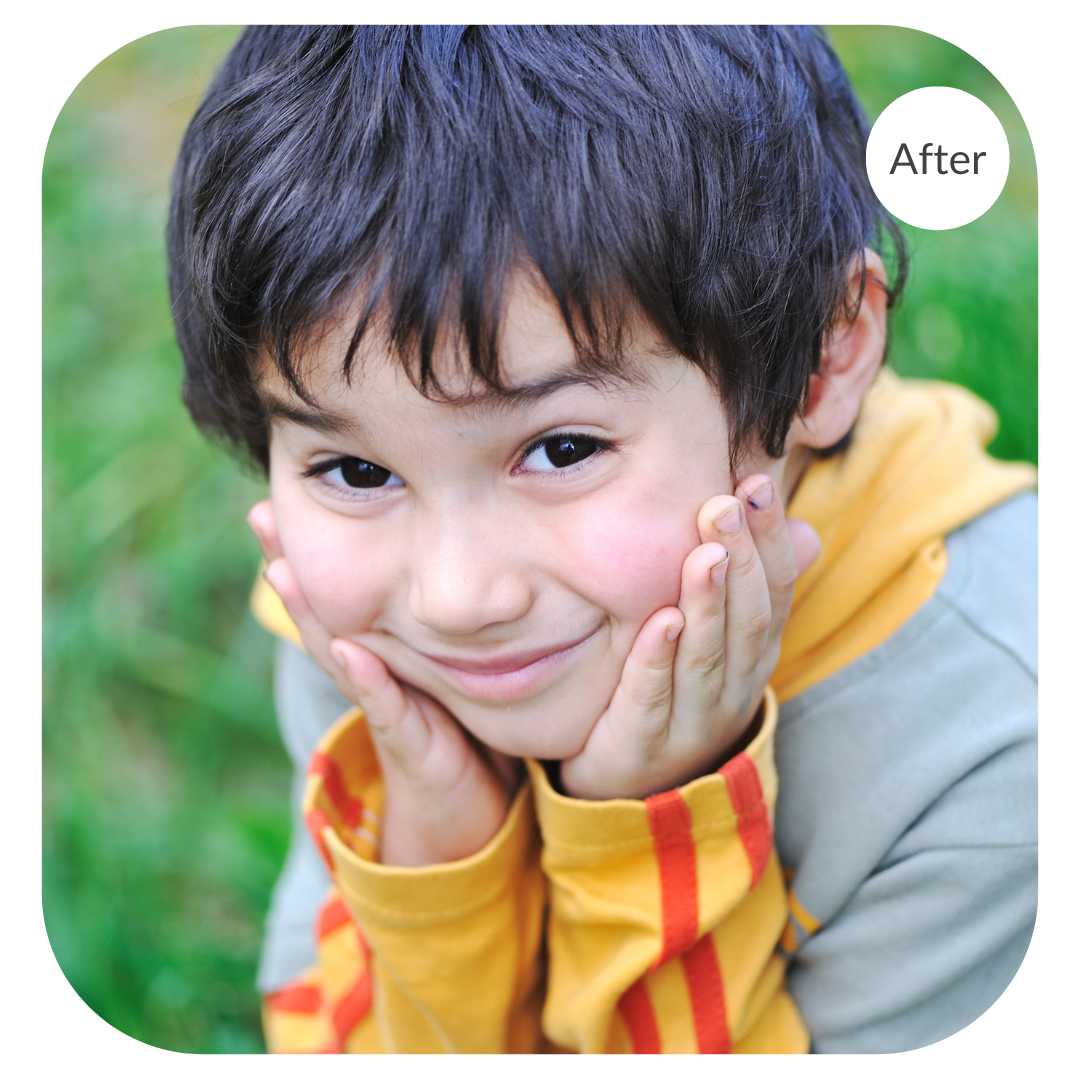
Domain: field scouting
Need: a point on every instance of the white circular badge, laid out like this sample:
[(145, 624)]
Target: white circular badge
[(937, 158)]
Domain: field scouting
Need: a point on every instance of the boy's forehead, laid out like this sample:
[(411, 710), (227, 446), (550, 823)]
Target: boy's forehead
[(334, 401), (537, 359)]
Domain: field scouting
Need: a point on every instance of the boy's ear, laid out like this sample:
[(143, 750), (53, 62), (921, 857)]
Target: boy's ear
[(850, 358)]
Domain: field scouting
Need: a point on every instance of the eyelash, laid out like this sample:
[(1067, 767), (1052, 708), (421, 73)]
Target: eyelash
[(603, 446), (321, 468)]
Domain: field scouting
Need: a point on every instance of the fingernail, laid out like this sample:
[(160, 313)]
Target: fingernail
[(718, 571), (674, 631), (761, 498), (730, 521), (338, 654)]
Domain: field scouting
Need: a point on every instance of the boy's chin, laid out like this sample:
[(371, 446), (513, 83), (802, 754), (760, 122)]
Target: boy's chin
[(518, 734)]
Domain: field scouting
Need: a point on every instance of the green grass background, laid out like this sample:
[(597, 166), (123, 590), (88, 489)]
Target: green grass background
[(165, 784)]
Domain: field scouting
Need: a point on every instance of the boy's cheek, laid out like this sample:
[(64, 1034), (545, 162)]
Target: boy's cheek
[(630, 565), (340, 584), (340, 590), (629, 547)]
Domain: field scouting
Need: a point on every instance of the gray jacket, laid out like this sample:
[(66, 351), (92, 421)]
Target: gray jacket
[(906, 813)]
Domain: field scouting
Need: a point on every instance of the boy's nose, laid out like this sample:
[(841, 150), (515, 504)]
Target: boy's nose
[(461, 587)]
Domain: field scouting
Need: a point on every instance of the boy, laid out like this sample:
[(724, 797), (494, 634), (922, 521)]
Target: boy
[(537, 332)]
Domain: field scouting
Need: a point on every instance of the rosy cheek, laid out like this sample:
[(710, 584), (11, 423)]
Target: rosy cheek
[(339, 581), (630, 567)]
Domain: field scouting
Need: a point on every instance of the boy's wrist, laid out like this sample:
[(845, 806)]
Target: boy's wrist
[(428, 828), (664, 776)]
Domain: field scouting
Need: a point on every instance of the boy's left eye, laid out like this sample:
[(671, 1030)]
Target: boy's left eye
[(560, 452), (350, 473)]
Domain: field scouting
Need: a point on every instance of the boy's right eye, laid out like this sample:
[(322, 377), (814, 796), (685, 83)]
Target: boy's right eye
[(353, 472), (562, 451)]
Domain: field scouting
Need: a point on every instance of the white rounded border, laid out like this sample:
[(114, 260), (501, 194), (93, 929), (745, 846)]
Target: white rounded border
[(28, 427)]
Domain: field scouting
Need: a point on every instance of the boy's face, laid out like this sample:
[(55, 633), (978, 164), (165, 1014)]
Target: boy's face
[(500, 556)]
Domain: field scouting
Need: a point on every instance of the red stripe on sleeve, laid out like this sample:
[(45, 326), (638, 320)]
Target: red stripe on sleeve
[(353, 1007), (669, 822), (348, 806), (333, 915), (748, 802), (702, 971), (637, 1012), (296, 999)]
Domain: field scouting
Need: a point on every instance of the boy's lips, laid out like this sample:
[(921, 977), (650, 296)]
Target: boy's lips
[(508, 675)]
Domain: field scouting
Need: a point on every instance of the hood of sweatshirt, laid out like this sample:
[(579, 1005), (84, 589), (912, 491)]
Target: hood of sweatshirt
[(916, 470)]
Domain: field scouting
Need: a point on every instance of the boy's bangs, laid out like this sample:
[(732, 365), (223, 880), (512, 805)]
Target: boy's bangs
[(709, 180), (446, 347)]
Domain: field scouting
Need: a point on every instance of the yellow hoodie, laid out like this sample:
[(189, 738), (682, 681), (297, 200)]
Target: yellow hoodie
[(663, 915)]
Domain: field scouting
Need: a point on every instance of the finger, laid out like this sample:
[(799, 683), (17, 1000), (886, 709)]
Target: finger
[(443, 800), (315, 637), (749, 606), (263, 524), (281, 579), (772, 539), (644, 694), (699, 661), (394, 719)]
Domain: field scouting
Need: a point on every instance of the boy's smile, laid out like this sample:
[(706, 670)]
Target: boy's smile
[(499, 553)]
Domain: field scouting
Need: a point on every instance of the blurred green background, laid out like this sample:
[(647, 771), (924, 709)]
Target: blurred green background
[(165, 784)]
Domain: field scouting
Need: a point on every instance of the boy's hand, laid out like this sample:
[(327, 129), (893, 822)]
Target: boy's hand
[(445, 797), (696, 675)]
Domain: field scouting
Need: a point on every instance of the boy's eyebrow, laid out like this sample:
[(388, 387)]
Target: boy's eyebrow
[(329, 423), (514, 398), (496, 400)]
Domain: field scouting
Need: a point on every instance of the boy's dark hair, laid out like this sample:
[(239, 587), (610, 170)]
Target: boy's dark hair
[(712, 178)]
